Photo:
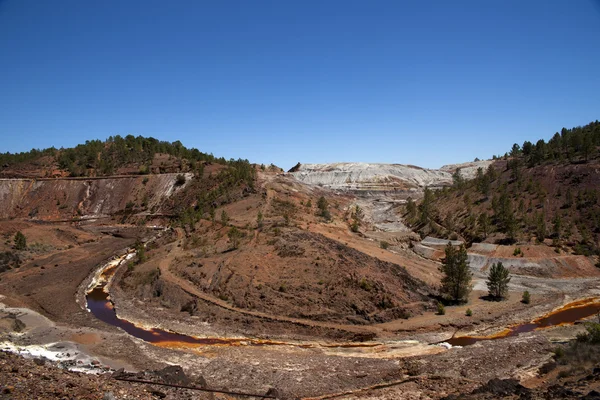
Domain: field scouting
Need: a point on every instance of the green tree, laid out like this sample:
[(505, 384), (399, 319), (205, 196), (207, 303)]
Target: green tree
[(20, 241), (141, 252), (224, 218), (323, 208), (483, 182), (540, 227), (557, 226), (498, 280), (484, 224), (456, 279), (357, 215), (259, 219), (411, 209), (426, 206), (234, 236), (457, 179)]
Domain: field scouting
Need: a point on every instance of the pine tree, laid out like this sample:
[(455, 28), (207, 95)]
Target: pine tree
[(20, 241), (323, 210), (426, 206), (411, 209), (498, 280), (484, 224), (234, 236), (259, 219), (224, 218), (456, 282)]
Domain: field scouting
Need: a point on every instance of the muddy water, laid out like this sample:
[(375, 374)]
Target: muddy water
[(565, 315)]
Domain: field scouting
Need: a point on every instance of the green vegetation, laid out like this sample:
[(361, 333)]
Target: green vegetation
[(356, 216), (259, 219), (384, 245), (526, 299), (497, 281), (234, 236), (141, 252), (323, 209), (582, 354), (441, 310), (96, 157), (8, 260), (535, 191), (456, 280), (180, 180), (224, 218), (426, 207), (20, 241), (469, 313)]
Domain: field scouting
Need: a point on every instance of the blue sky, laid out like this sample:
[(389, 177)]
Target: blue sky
[(416, 82)]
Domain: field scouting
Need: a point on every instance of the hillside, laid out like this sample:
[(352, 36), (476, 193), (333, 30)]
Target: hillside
[(304, 284), (115, 156), (542, 192)]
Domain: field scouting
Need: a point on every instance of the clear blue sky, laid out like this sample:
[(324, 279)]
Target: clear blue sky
[(419, 82)]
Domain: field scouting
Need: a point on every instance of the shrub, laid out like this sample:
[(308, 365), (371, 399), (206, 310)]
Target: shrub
[(469, 312), (384, 245), (20, 241), (365, 285), (441, 310), (526, 297), (559, 352), (518, 252), (592, 335), (180, 180), (234, 236)]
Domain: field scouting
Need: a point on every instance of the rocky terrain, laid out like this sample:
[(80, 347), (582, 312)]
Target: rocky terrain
[(393, 180), (239, 278)]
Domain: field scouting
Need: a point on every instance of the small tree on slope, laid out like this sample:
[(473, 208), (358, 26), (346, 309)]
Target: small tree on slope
[(456, 282), (498, 280), (20, 241)]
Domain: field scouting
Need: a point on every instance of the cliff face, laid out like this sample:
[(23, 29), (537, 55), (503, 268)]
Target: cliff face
[(368, 178), (66, 198)]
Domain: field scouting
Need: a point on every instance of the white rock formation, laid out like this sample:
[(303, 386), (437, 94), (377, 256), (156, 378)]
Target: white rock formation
[(367, 176)]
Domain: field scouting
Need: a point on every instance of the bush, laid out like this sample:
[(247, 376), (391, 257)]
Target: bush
[(526, 297), (384, 245), (20, 241), (365, 285), (180, 180), (518, 252), (469, 313), (592, 335), (441, 310)]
